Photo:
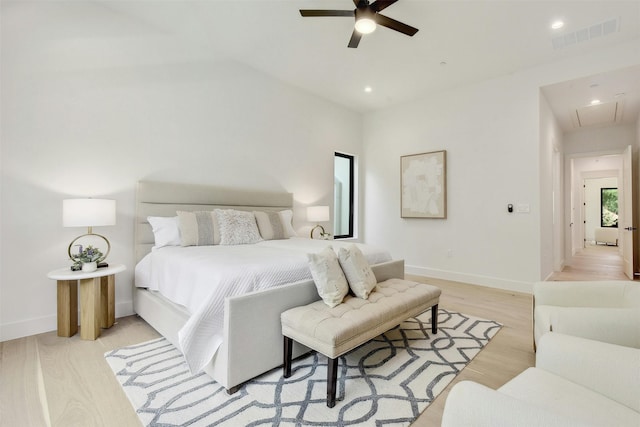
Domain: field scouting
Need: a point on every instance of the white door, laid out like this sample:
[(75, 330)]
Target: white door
[(628, 230)]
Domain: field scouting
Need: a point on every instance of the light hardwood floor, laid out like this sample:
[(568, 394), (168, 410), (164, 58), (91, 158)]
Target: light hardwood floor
[(46, 380), (507, 354), (594, 262)]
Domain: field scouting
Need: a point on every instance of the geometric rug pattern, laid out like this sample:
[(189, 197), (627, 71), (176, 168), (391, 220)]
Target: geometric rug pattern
[(388, 381)]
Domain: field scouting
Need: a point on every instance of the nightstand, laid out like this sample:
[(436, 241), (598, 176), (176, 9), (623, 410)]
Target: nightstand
[(97, 300)]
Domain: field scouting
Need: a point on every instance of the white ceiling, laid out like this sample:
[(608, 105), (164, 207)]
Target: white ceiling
[(618, 91), (476, 39)]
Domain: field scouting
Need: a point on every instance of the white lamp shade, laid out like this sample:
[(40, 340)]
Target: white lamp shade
[(88, 212), (318, 213)]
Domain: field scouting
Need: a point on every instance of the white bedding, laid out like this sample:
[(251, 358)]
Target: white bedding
[(201, 277)]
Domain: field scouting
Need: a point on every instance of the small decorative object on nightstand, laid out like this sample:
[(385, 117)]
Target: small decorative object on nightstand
[(318, 214), (86, 259), (97, 300)]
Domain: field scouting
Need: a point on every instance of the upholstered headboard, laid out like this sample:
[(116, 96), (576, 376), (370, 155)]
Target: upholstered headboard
[(164, 199)]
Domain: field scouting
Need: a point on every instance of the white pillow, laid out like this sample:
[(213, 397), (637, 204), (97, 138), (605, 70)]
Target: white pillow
[(198, 228), (357, 270), (165, 230), (237, 227), (326, 272), (287, 222), (275, 225)]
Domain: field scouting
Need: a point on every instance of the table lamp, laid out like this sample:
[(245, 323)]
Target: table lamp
[(318, 214), (88, 213)]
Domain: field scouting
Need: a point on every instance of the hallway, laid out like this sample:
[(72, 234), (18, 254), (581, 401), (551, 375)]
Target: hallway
[(595, 262)]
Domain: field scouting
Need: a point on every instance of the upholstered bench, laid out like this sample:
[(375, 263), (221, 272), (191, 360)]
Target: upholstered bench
[(338, 330)]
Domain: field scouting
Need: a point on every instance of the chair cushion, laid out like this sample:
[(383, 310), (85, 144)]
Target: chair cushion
[(556, 394)]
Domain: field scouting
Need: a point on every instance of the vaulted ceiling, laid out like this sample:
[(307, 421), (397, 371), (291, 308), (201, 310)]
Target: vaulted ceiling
[(459, 42)]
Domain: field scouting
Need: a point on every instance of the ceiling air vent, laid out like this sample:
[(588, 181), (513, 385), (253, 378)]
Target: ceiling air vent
[(605, 114), (582, 35)]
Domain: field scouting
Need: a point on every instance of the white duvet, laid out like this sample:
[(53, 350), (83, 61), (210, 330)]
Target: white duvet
[(201, 277)]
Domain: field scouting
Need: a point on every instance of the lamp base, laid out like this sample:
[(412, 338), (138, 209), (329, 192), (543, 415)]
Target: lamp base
[(322, 232), (73, 243), (314, 229)]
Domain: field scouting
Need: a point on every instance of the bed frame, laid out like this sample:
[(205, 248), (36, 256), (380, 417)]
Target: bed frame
[(252, 336)]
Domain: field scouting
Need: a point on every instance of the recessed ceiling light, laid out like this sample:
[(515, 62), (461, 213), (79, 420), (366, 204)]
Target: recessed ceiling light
[(556, 25), (368, 89), (595, 102)]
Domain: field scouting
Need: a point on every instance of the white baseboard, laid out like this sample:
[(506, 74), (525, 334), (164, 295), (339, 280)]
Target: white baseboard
[(474, 279), (25, 328)]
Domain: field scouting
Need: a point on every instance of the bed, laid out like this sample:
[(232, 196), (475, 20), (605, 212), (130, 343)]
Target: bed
[(250, 333)]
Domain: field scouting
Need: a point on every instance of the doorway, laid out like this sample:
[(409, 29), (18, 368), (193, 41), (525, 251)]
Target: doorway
[(600, 211), (589, 255)]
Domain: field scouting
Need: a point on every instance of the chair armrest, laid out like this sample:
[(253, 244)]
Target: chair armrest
[(472, 404), (580, 294), (619, 326), (609, 369)]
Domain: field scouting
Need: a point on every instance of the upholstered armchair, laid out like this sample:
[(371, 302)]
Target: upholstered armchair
[(607, 311), (576, 382)]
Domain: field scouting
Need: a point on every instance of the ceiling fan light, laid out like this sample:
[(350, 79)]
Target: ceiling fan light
[(365, 26)]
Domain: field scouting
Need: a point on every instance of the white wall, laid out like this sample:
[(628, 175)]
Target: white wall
[(612, 139), (487, 129), (96, 132), (491, 133), (551, 192)]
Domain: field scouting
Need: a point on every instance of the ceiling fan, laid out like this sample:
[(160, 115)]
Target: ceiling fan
[(367, 16)]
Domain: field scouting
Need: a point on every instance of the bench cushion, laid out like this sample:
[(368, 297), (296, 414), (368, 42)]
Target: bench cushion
[(335, 331)]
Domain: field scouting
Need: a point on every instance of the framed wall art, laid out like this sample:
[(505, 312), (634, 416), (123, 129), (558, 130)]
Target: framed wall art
[(423, 185)]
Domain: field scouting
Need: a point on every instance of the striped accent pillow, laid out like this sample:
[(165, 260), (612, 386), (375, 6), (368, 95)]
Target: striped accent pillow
[(270, 225), (275, 225), (198, 228)]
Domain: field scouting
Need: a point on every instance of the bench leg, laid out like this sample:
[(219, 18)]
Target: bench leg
[(288, 350), (332, 376), (234, 389), (434, 319)]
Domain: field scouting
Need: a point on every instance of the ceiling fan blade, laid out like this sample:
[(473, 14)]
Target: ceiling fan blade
[(355, 39), (382, 4), (385, 21), (315, 12)]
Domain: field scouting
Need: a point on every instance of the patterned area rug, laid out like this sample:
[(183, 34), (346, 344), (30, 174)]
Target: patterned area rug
[(387, 381)]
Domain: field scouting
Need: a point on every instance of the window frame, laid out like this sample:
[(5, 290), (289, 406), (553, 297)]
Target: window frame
[(351, 159), (602, 191)]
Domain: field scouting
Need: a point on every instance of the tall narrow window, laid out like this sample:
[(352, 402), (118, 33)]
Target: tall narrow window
[(343, 173), (609, 207)]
